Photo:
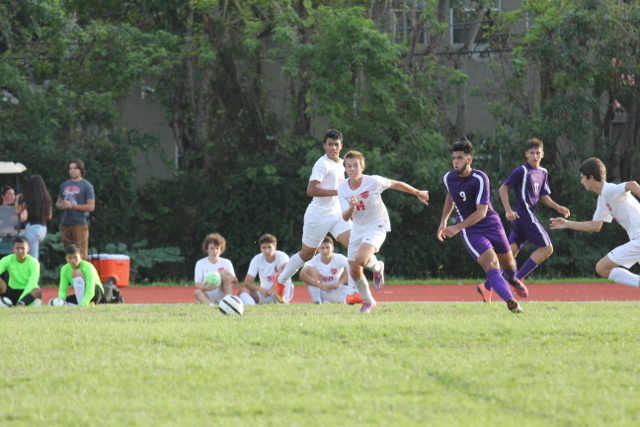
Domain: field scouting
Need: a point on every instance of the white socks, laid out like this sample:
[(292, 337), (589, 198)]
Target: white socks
[(247, 299), (624, 277), (78, 287), (373, 264), (363, 288), (294, 264)]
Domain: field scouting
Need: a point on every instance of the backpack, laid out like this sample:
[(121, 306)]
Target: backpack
[(112, 293)]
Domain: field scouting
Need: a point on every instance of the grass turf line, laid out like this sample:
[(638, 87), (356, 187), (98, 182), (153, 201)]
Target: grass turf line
[(405, 364)]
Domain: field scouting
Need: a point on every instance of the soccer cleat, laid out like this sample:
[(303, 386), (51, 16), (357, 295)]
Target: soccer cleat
[(367, 307), (278, 289), (519, 287), (5, 302), (484, 293), (514, 306), (354, 299), (378, 278)]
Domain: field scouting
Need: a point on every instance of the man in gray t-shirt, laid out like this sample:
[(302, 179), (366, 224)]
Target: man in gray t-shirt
[(76, 199)]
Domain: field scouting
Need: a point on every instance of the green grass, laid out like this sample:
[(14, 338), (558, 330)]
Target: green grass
[(565, 364)]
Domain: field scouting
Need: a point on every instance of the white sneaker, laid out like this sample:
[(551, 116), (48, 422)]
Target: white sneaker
[(5, 302)]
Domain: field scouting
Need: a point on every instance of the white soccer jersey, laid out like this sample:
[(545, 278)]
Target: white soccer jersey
[(330, 272), (329, 174), (617, 203), (204, 267), (371, 211), (259, 267)]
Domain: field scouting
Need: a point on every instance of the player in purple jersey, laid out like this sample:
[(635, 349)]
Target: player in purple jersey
[(529, 183), (478, 224)]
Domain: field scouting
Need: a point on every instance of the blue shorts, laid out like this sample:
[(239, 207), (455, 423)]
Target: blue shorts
[(478, 241), (529, 231)]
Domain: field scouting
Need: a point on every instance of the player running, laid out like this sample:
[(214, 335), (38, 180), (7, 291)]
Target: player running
[(360, 199), (529, 183), (479, 225), (615, 201), (324, 215)]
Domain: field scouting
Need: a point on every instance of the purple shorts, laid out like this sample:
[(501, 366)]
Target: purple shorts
[(529, 231), (478, 241)]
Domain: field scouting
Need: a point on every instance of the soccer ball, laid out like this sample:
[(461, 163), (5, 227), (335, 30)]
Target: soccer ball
[(57, 302), (213, 279), (5, 302), (231, 305)]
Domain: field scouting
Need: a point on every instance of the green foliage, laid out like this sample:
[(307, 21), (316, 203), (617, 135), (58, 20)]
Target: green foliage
[(143, 259)]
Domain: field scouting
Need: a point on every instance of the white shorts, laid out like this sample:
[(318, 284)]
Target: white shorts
[(374, 236), (319, 296), (627, 254), (316, 227), (215, 295), (271, 299)]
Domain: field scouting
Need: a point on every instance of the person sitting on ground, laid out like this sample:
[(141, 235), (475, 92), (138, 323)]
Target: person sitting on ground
[(24, 273), (327, 275), (208, 292), (84, 278), (265, 265)]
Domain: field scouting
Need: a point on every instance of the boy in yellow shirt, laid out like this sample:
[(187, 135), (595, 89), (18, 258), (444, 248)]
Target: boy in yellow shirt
[(84, 278)]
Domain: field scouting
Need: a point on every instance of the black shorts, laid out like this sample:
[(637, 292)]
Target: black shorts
[(13, 294), (98, 297)]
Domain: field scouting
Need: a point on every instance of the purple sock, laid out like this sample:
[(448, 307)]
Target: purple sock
[(526, 269), (487, 285), (510, 274), (499, 285)]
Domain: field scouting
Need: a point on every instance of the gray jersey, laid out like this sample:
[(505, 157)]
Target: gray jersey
[(77, 193)]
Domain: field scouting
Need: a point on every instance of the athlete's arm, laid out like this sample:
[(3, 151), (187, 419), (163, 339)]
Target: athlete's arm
[(310, 279), (564, 211), (346, 215), (343, 280), (313, 190), (249, 283), (633, 187), (401, 186), (504, 197), (560, 223), (446, 212), (477, 216)]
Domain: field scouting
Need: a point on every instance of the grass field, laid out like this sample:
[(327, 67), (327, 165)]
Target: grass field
[(566, 364)]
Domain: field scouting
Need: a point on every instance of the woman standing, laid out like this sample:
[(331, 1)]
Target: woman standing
[(37, 202)]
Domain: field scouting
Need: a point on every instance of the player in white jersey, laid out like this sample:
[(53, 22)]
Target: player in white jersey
[(327, 275), (265, 265), (324, 215), (214, 245), (615, 201), (360, 200)]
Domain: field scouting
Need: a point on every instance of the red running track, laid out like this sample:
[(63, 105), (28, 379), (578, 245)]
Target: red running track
[(403, 293)]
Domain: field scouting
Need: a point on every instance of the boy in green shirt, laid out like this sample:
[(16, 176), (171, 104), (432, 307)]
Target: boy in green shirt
[(84, 278), (24, 272)]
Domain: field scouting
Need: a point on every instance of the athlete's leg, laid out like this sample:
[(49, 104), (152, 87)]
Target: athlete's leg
[(536, 258), (490, 264)]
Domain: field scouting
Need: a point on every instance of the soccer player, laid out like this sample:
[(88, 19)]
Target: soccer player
[(529, 183), (265, 265), (324, 215), (360, 200), (213, 246), (478, 224), (84, 278), (327, 276), (24, 273), (615, 201)]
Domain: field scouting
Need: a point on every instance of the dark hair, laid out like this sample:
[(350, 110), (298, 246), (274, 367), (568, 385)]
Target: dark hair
[(79, 164), (37, 198), (465, 145), (5, 189), (328, 239), (355, 155), (333, 134), (20, 239), (217, 240), (595, 168), (268, 238), (534, 143), (71, 249)]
